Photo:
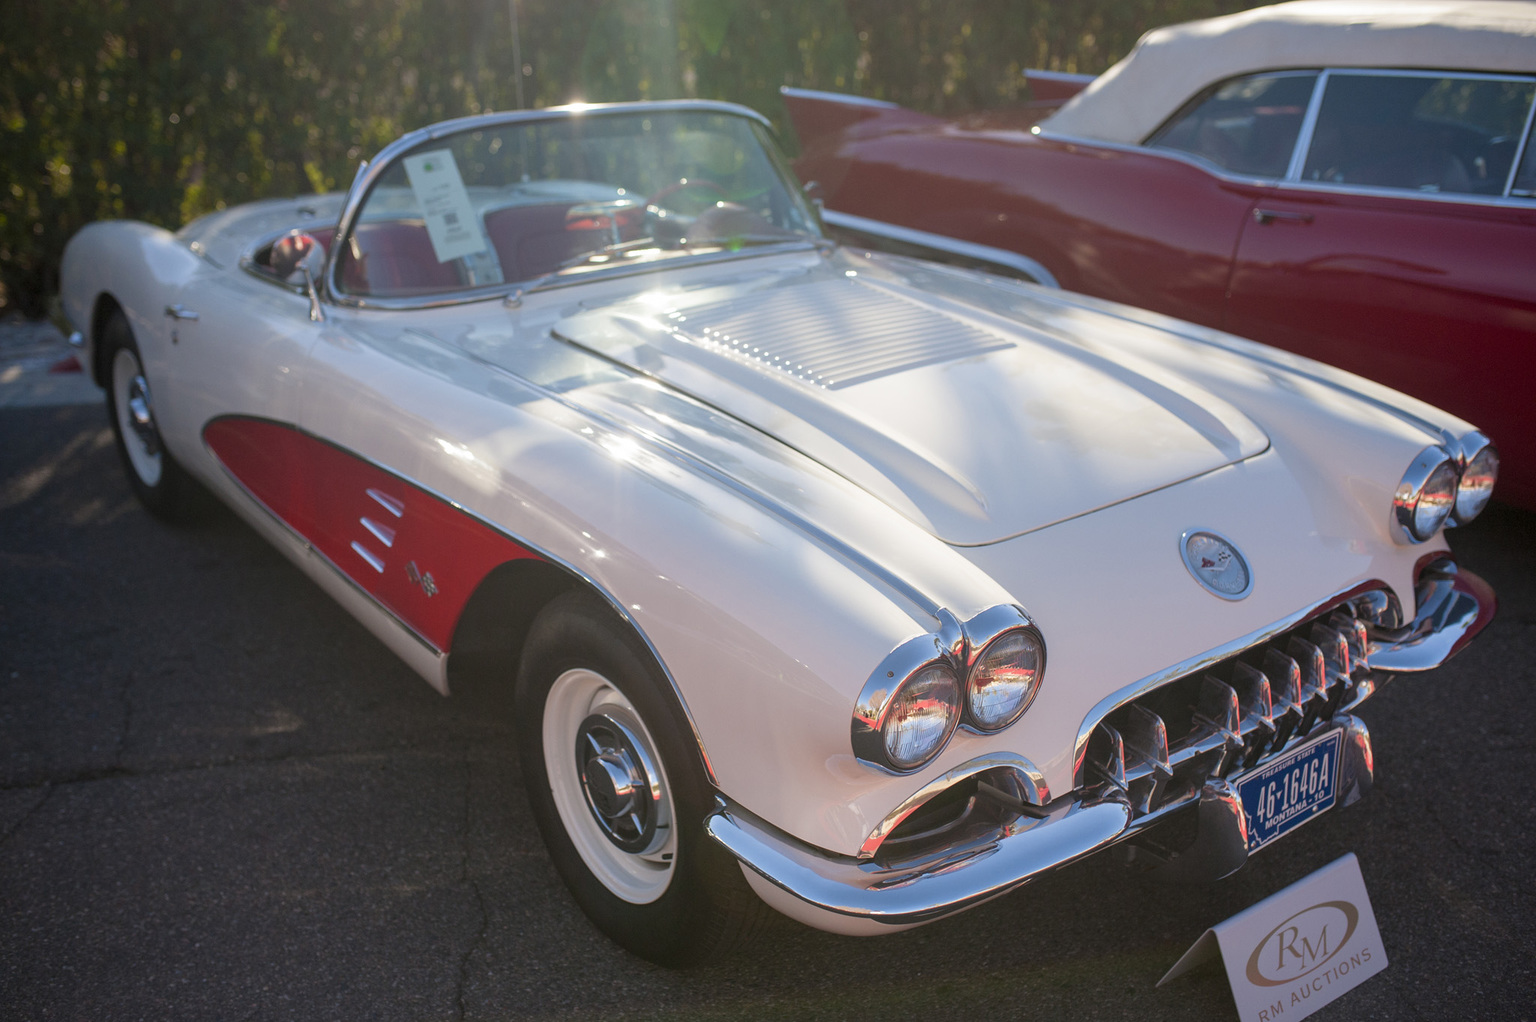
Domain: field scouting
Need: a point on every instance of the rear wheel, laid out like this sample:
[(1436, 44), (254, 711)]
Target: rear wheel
[(162, 485), (619, 792)]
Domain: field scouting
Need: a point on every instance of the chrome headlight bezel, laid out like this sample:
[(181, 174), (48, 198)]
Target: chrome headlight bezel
[(983, 633), (955, 648), (1476, 450), (1425, 478)]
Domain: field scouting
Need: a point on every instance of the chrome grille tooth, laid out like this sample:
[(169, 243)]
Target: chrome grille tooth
[(1375, 608), (1144, 739), (1334, 646), (1218, 705), (1356, 638), (1360, 637), (1106, 755), (1285, 690), (1314, 681), (1253, 697), (1147, 735), (1222, 719)]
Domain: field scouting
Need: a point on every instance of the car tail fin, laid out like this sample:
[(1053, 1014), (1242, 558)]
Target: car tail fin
[(820, 117)]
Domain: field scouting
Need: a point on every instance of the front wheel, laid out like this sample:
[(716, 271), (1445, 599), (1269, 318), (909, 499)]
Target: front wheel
[(162, 485), (619, 792)]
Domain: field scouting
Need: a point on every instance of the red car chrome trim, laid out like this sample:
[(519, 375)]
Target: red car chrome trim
[(421, 563)]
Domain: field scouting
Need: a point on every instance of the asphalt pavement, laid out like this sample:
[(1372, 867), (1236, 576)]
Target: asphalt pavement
[(221, 798)]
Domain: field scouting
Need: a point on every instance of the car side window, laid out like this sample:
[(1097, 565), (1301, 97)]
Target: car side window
[(1419, 132), (1247, 125), (1524, 186)]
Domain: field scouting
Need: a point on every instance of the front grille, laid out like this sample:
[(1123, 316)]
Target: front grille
[(1162, 747)]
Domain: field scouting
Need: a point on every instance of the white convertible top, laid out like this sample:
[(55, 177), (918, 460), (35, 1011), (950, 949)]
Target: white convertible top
[(1169, 65)]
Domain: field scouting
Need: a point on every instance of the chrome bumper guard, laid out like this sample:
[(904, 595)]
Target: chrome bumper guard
[(1137, 783)]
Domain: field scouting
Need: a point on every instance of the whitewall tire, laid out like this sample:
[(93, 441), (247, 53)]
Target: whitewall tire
[(618, 789), (159, 482)]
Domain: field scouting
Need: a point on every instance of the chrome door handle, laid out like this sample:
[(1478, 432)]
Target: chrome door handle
[(1269, 216), (179, 312)]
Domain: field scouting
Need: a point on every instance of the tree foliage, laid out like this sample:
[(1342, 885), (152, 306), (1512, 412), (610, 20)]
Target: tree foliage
[(161, 112)]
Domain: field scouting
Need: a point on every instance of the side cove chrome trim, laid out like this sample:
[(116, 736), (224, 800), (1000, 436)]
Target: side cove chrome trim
[(942, 243), (561, 562), (309, 548)]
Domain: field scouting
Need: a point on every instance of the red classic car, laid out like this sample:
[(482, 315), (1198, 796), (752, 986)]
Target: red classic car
[(1351, 181)]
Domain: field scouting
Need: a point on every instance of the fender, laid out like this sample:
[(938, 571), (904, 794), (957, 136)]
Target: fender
[(137, 264)]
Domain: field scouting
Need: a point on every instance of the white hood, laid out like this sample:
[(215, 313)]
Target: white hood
[(972, 423)]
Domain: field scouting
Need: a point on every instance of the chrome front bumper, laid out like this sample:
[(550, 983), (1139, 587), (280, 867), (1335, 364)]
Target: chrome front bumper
[(874, 894)]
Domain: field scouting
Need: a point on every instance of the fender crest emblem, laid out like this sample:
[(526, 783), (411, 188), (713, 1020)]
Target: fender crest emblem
[(421, 578)]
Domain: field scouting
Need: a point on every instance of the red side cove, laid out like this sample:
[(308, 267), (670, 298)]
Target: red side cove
[(416, 554)]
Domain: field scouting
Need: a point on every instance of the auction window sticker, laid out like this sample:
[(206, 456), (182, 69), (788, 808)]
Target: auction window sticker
[(452, 224)]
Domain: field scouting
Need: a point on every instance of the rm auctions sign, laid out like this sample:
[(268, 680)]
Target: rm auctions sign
[(1296, 950)]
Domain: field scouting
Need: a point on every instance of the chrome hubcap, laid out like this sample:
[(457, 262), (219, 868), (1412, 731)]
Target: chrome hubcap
[(134, 417), (609, 786), (140, 417), (616, 782)]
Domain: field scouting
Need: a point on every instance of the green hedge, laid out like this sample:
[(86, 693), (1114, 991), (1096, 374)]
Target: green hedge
[(163, 110)]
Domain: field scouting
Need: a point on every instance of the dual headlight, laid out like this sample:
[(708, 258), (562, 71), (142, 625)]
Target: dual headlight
[(981, 675), (1445, 484)]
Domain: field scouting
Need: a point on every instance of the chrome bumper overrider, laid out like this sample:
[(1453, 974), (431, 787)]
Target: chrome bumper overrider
[(976, 864)]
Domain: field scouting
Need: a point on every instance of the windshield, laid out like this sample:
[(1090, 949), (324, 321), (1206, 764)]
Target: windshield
[(528, 199)]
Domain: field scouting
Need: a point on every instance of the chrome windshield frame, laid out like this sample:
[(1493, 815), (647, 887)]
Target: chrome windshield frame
[(370, 171)]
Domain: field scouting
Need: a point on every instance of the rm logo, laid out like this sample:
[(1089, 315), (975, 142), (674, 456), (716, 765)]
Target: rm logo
[(1297, 950), (1303, 943)]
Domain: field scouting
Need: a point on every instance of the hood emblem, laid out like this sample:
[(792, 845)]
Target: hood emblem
[(1216, 563)]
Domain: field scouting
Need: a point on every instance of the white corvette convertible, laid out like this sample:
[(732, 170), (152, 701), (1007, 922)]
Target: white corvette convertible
[(856, 587)]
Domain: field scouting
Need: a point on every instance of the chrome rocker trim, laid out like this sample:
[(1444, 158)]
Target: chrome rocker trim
[(874, 893)]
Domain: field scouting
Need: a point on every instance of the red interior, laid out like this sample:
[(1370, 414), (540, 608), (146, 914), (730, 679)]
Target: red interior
[(531, 240), (396, 257)]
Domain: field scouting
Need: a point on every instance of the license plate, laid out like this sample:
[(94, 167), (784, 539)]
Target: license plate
[(1280, 796)]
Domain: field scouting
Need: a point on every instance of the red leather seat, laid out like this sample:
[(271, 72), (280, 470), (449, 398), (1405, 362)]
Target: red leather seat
[(533, 240), (394, 258)]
